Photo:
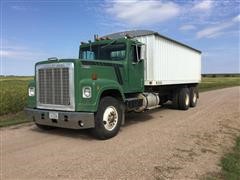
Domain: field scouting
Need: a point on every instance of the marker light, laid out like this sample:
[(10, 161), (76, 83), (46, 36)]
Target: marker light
[(31, 91)]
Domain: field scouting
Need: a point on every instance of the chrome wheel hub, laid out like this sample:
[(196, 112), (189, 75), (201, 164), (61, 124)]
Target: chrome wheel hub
[(194, 97), (187, 100), (110, 118)]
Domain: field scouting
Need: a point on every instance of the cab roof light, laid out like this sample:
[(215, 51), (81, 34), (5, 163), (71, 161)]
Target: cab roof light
[(52, 59), (128, 36)]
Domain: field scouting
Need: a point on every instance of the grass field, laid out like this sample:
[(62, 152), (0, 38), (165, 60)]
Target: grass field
[(13, 119), (212, 83), (230, 163), (13, 94)]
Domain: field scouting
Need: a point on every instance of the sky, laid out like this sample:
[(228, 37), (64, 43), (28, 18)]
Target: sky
[(33, 31)]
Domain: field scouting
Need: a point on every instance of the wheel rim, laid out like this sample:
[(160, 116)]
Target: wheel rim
[(194, 97), (110, 118), (187, 100)]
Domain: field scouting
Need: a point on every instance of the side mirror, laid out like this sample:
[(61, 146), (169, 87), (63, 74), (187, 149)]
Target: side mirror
[(143, 52), (140, 53)]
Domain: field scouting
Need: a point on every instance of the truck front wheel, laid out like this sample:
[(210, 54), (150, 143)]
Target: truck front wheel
[(108, 118)]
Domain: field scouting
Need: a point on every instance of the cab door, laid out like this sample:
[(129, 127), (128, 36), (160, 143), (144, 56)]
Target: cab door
[(136, 69)]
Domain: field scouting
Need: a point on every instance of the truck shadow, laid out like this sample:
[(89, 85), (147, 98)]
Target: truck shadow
[(134, 118), (83, 134)]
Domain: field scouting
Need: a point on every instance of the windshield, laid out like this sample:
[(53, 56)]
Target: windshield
[(112, 52)]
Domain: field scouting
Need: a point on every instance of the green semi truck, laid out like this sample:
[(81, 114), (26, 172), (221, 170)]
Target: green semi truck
[(115, 74)]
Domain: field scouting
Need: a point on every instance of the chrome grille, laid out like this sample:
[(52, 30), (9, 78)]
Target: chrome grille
[(55, 86)]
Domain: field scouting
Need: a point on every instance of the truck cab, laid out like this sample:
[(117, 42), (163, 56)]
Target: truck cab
[(121, 57), (89, 92)]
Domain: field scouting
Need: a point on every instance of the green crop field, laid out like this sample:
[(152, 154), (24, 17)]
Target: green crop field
[(13, 95), (211, 83)]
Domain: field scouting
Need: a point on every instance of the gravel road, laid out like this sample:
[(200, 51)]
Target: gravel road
[(159, 144)]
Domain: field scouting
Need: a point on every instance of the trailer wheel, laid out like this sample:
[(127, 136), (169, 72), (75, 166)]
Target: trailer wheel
[(184, 99), (44, 127), (175, 99), (193, 96), (108, 118)]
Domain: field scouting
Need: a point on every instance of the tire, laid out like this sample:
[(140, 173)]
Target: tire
[(108, 118), (184, 99), (44, 127), (175, 99), (193, 96)]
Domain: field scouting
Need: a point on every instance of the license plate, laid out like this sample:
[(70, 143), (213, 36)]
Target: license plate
[(53, 115)]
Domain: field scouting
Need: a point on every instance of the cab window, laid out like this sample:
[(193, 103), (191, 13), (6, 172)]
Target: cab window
[(111, 52), (136, 53)]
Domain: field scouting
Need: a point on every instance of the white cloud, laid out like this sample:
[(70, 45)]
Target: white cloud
[(20, 53), (137, 12), (3, 53), (203, 5), (213, 31), (19, 8), (217, 30), (22, 8), (200, 12), (237, 18), (187, 27)]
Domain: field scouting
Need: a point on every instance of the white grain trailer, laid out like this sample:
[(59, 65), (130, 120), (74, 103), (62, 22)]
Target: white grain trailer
[(170, 62)]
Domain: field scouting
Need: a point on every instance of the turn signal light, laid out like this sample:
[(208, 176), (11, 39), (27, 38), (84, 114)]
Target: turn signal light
[(94, 76)]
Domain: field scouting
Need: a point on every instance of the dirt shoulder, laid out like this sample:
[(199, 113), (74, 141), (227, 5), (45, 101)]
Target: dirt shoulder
[(162, 144)]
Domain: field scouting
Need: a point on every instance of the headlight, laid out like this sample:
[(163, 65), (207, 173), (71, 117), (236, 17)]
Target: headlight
[(87, 92), (31, 91)]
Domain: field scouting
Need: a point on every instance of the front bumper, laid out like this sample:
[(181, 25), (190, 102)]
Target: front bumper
[(66, 119)]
